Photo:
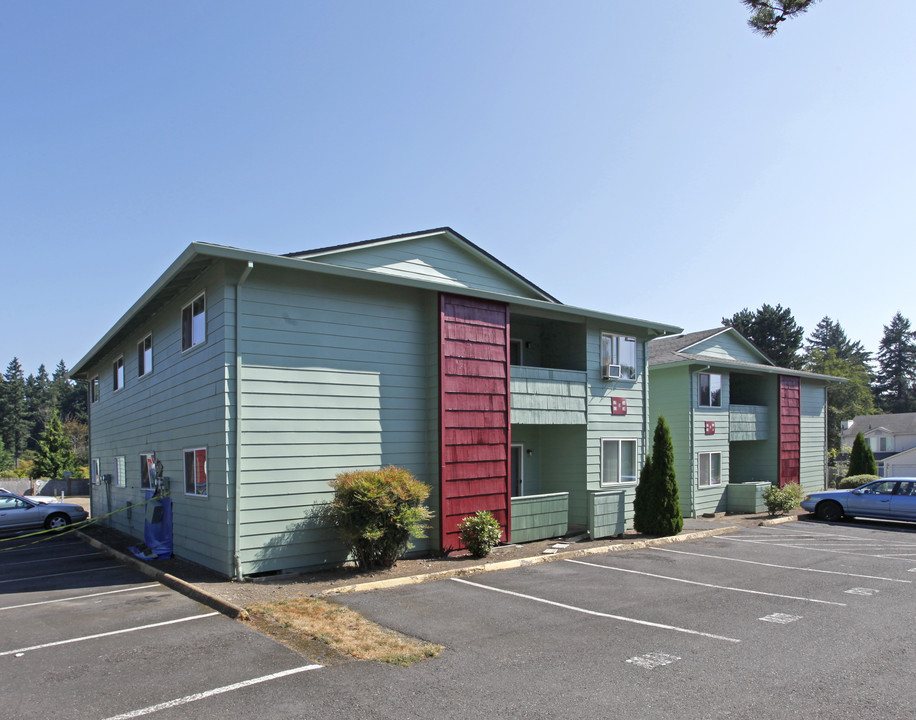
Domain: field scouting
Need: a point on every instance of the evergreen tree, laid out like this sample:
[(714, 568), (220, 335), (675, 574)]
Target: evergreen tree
[(862, 459), (844, 400), (767, 14), (54, 456), (39, 396), (14, 425), (773, 330), (6, 459), (69, 397), (657, 509), (829, 335), (894, 383)]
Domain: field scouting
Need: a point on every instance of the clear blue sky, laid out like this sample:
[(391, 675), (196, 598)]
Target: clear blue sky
[(652, 159)]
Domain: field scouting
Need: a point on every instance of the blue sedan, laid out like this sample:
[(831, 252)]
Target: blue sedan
[(889, 499)]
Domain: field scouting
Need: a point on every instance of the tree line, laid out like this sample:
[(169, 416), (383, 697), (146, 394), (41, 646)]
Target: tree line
[(881, 383), (43, 423)]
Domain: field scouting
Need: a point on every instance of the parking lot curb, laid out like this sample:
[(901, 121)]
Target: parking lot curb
[(177, 584), (778, 520), (525, 562)]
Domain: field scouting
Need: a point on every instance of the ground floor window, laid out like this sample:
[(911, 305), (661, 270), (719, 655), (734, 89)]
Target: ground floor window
[(120, 471), (195, 472), (146, 461), (618, 461), (710, 468)]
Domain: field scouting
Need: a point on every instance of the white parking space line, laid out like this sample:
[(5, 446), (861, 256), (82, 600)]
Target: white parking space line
[(650, 661), (71, 572), (81, 597), (806, 548), (56, 558), (106, 634), (210, 693), (596, 613), (817, 530), (783, 567), (707, 585)]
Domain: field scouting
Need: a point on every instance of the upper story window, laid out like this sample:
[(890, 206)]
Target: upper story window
[(117, 371), (194, 322), (618, 357), (145, 356), (710, 385), (884, 444), (94, 471), (94, 391)]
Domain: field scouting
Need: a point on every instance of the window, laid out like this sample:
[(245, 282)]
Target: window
[(619, 350), (883, 444), (710, 468), (618, 462), (194, 322), (94, 471), (146, 459), (195, 472), (118, 373), (710, 390), (516, 471), (145, 356), (95, 389), (120, 472)]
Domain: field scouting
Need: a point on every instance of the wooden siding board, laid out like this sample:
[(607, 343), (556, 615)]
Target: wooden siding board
[(472, 485)]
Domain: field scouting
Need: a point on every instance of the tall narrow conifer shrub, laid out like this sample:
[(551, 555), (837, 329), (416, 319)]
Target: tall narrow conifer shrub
[(657, 509), (862, 459)]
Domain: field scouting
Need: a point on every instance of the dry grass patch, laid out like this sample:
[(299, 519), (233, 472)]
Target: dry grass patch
[(345, 631)]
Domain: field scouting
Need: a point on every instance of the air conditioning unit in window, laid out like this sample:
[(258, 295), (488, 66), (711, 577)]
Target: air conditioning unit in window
[(611, 372)]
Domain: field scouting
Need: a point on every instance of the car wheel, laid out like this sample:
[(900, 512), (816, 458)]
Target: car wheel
[(57, 521), (829, 510)]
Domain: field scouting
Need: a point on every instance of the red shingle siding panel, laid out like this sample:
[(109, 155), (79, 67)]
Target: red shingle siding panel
[(474, 431), (789, 430)]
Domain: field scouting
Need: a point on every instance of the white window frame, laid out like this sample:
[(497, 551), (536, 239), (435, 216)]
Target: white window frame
[(631, 479), (145, 484), (612, 353), (117, 374), (709, 403), (707, 456), (94, 389), (145, 356), (95, 476), (206, 484), (197, 329), (120, 473)]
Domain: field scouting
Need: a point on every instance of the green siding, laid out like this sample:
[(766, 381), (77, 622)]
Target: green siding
[(748, 422), (813, 470), (607, 513), (669, 395), (180, 404), (549, 397), (725, 347), (538, 517), (336, 377), (434, 258)]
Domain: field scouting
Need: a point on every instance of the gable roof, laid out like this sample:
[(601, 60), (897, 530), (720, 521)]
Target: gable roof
[(675, 350), (444, 235), (197, 257), (894, 424)]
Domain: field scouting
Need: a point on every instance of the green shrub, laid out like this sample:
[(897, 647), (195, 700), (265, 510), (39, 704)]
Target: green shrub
[(861, 458), (780, 500), (480, 533), (376, 512), (656, 506), (853, 481)]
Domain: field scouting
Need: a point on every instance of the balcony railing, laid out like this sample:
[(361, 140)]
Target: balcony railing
[(541, 396), (748, 422)]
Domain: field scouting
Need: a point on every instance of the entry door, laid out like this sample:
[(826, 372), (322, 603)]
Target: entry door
[(515, 470)]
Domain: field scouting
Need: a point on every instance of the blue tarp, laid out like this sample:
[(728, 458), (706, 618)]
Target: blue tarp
[(157, 529)]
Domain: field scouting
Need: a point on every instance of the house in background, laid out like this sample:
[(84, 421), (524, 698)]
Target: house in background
[(888, 436), (253, 379), (735, 417)]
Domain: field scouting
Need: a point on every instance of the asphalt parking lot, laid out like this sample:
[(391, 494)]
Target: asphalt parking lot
[(799, 620)]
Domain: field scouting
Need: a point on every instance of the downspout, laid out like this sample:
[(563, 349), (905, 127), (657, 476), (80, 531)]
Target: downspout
[(645, 404), (692, 406), (236, 529)]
